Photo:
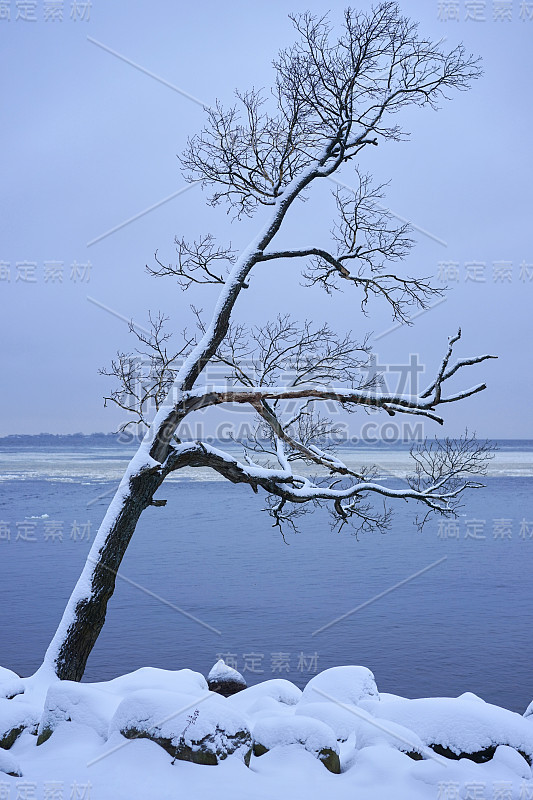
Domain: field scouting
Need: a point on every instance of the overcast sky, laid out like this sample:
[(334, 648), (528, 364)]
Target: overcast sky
[(89, 141)]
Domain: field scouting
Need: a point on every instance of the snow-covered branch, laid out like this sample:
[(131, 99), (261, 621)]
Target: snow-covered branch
[(441, 476), (424, 403)]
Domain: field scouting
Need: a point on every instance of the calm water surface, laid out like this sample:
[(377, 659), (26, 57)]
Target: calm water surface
[(462, 625)]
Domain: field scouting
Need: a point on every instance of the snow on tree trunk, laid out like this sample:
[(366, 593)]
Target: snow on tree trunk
[(85, 613)]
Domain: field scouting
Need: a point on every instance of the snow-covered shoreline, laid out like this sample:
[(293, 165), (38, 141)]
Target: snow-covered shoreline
[(340, 737)]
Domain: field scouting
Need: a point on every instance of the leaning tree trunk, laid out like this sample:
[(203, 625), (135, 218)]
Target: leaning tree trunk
[(85, 613)]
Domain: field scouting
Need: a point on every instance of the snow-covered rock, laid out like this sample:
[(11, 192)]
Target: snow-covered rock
[(185, 681), (350, 685), (510, 758), (204, 730), (7, 675), (460, 726), (175, 710), (315, 736), (350, 720), (269, 707), (8, 765), (10, 683), (17, 715), (252, 699), (225, 680), (68, 701), (340, 720)]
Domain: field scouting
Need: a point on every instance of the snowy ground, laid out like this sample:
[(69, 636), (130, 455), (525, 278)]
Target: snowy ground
[(389, 747)]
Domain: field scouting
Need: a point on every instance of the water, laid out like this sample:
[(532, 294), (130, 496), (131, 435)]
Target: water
[(462, 625)]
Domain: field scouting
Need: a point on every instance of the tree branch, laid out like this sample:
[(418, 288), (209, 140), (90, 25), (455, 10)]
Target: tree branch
[(439, 480)]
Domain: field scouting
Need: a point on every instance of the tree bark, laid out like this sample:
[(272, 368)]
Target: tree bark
[(85, 614)]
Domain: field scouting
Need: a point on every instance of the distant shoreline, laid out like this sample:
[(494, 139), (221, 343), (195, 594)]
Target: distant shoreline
[(122, 440)]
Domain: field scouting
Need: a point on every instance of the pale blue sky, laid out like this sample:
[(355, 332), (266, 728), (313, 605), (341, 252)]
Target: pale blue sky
[(89, 141)]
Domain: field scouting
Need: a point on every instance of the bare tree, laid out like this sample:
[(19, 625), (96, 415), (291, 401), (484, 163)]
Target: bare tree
[(333, 98)]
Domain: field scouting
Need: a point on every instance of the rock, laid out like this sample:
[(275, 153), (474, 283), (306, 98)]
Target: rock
[(16, 716), (350, 685), (460, 727), (315, 736), (204, 731), (347, 720), (94, 704), (225, 680), (69, 701)]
